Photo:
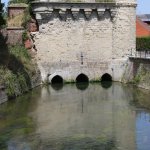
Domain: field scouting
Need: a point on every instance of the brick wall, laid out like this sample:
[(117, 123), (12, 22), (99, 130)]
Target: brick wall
[(13, 11), (14, 35)]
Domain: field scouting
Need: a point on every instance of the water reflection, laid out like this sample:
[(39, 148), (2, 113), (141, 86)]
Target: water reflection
[(75, 118), (143, 130), (82, 86), (96, 116), (57, 86), (106, 84)]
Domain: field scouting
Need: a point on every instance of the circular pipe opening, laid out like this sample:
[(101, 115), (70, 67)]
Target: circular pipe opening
[(82, 78), (57, 79), (106, 77)]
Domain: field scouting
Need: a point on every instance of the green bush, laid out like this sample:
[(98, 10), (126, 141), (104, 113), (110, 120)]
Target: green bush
[(143, 44), (2, 20), (16, 75), (25, 36)]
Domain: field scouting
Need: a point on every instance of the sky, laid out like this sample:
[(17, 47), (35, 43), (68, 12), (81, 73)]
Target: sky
[(143, 6)]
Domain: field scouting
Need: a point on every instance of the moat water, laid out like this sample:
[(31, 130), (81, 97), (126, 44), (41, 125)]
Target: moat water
[(77, 117)]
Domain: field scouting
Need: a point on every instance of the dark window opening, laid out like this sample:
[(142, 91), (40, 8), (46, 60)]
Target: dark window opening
[(57, 79), (106, 77), (82, 78)]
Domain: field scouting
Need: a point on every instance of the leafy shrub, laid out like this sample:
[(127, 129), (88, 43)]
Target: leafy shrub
[(17, 74), (143, 44), (2, 20), (25, 36)]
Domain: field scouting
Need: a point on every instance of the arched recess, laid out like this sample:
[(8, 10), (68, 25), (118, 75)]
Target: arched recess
[(82, 78), (57, 79), (106, 77)]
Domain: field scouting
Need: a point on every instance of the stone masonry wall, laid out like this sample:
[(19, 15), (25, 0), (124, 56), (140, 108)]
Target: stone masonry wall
[(13, 11), (14, 35), (90, 41)]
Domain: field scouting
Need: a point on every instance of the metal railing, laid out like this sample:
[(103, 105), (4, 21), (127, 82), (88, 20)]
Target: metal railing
[(140, 54)]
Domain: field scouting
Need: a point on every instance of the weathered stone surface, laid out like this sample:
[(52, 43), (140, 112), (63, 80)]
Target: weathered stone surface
[(28, 44), (32, 26), (88, 38), (15, 35), (138, 72)]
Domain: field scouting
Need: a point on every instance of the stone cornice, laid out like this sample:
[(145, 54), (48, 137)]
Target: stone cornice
[(82, 5), (73, 8), (58, 5), (41, 7), (62, 9)]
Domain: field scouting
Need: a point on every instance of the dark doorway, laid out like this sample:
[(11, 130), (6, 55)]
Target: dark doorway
[(57, 79), (106, 77), (82, 78)]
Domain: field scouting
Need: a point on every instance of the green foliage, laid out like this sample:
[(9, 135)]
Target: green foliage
[(142, 74), (27, 17), (136, 79), (15, 83), (25, 36), (20, 53), (2, 20), (9, 80), (17, 74), (143, 44)]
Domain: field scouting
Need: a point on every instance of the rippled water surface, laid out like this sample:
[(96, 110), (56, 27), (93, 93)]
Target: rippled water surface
[(77, 117)]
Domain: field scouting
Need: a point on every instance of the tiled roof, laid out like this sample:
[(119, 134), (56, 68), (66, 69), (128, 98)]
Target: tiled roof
[(142, 29)]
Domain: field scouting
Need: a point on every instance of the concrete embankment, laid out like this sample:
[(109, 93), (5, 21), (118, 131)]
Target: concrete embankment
[(138, 72)]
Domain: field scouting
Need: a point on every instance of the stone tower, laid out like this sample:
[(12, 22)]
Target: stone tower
[(90, 37)]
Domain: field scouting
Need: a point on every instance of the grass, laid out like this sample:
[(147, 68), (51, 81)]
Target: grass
[(16, 74), (16, 21)]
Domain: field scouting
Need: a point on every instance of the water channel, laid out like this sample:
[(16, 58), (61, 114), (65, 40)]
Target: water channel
[(77, 117)]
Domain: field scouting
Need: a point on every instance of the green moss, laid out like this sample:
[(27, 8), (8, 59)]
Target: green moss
[(141, 75)]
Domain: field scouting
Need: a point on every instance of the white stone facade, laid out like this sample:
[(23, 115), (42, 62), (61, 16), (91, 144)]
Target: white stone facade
[(89, 38)]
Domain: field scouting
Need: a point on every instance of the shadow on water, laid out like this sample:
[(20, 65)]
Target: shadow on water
[(106, 84), (15, 123)]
